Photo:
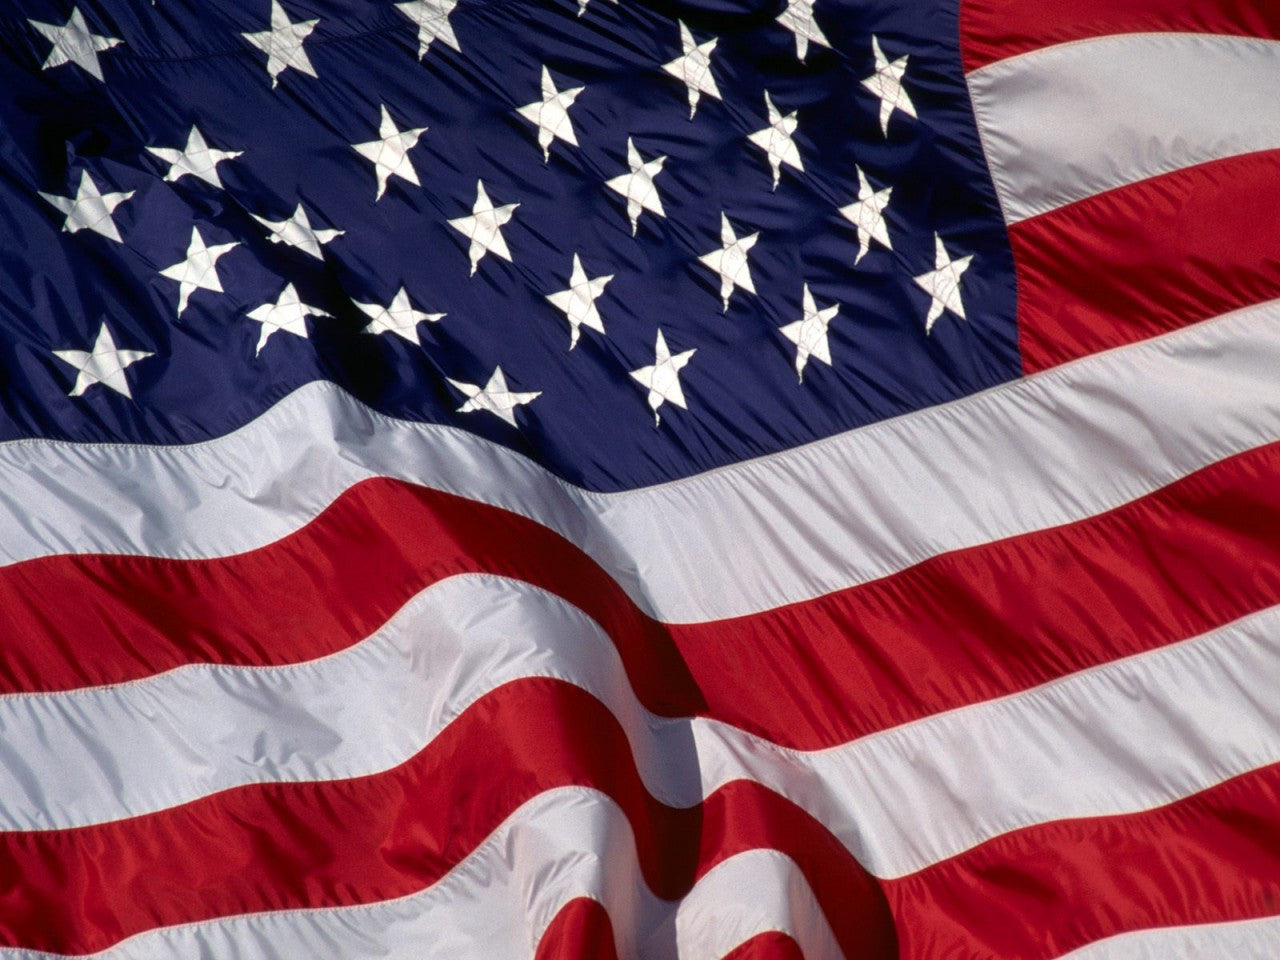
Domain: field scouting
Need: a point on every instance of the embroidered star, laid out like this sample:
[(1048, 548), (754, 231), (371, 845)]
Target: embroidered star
[(283, 44), (298, 232), (943, 284), (637, 186), (551, 114), (776, 140), (730, 261), (199, 271), (693, 68), (288, 313), (399, 317), (662, 379), (798, 18), (582, 5), (89, 209), (484, 227), (810, 334), (579, 301), (494, 396), (432, 18), (197, 159), (74, 42), (390, 153), (886, 83), (104, 364), (867, 216)]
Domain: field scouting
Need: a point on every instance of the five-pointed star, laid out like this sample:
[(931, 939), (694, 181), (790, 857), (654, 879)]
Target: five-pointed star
[(297, 231), (484, 227), (730, 261), (637, 186), (199, 271), (432, 18), (390, 153), (551, 114), (810, 334), (89, 209), (283, 43), (104, 364), (494, 396), (693, 68), (582, 5), (663, 378), (943, 284), (798, 18), (288, 313), (776, 140), (74, 42), (886, 83), (867, 216), (197, 158), (399, 317), (579, 301)]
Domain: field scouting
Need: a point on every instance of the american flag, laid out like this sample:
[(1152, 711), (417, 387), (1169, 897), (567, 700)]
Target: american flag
[(640, 479)]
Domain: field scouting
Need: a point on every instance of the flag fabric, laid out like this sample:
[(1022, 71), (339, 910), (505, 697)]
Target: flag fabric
[(636, 478)]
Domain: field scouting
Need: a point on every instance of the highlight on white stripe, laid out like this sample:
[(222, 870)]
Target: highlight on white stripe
[(1049, 449), (1128, 736), (1239, 940), (1066, 122), (498, 902)]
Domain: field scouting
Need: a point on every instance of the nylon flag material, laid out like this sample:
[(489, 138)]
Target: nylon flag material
[(639, 479)]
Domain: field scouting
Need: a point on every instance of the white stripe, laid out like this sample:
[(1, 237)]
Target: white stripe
[(1240, 940), (1051, 449), (1125, 737), (1066, 122), (560, 846)]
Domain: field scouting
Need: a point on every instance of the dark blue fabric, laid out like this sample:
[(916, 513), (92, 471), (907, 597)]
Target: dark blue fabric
[(185, 62)]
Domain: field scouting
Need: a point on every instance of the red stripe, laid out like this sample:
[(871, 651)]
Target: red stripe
[(995, 29), (282, 846), (1144, 259), (771, 946), (957, 629), (581, 929), (1048, 889)]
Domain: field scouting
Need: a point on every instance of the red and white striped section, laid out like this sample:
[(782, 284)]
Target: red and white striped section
[(1135, 148)]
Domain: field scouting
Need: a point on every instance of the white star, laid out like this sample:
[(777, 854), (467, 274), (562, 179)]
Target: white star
[(810, 334), (776, 140), (197, 158), (390, 154), (298, 232), (484, 227), (730, 261), (582, 5), (663, 378), (943, 284), (432, 18), (867, 216), (579, 301), (399, 317), (798, 18), (494, 397), (89, 209), (199, 271), (104, 364), (693, 68), (288, 313), (637, 186), (283, 43), (886, 83), (551, 115), (74, 42)]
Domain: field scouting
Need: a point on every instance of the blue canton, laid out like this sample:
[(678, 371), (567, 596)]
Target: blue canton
[(633, 241)]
